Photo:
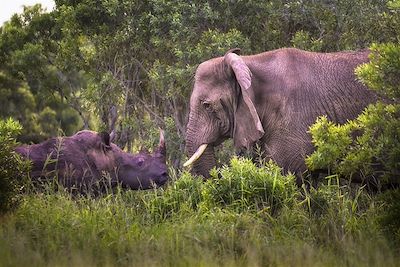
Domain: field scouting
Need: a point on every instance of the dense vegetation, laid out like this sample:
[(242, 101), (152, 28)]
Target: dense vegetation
[(65, 70), (12, 168), (74, 67), (245, 215)]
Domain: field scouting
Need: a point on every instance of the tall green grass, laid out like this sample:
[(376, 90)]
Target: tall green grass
[(244, 216)]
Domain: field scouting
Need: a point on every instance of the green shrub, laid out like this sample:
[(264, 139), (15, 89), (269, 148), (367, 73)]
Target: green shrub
[(330, 141), (383, 72), (239, 187), (375, 152), (183, 194), (390, 214), (243, 186), (302, 40), (337, 209), (11, 165)]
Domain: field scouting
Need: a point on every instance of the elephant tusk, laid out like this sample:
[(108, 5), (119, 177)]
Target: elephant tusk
[(196, 155)]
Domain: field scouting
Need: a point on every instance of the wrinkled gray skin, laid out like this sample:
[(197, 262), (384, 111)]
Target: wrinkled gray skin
[(271, 99), (81, 160)]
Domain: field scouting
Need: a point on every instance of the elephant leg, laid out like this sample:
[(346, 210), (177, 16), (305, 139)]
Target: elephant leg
[(290, 153)]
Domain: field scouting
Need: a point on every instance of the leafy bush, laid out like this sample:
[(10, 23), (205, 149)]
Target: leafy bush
[(383, 72), (11, 165), (239, 187), (330, 141), (244, 186), (389, 217), (182, 194), (375, 151), (303, 40)]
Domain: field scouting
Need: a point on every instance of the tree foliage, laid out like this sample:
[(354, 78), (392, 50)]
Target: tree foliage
[(29, 76), (383, 73), (68, 69)]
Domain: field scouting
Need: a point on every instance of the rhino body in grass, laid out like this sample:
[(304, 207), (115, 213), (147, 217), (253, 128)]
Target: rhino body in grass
[(88, 158)]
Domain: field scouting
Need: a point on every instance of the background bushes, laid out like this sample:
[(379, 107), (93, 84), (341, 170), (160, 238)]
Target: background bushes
[(12, 168), (69, 68)]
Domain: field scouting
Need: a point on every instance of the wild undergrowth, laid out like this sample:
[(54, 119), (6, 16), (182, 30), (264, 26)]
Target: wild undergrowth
[(12, 166), (246, 215)]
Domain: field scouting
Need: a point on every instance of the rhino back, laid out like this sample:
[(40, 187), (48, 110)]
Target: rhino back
[(74, 159)]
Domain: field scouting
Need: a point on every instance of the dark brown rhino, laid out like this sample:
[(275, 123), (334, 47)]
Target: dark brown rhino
[(82, 160)]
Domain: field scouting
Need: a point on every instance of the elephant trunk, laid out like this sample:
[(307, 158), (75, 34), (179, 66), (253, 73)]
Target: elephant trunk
[(200, 132)]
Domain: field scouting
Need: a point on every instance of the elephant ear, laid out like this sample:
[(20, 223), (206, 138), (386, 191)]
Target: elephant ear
[(248, 128)]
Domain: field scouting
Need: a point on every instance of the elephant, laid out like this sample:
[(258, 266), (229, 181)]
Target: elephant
[(271, 99)]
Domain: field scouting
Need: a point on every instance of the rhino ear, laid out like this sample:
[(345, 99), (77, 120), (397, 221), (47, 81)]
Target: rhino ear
[(105, 140), (248, 128)]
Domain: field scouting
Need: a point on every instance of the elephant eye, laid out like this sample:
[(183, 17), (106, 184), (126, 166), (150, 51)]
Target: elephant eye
[(207, 105)]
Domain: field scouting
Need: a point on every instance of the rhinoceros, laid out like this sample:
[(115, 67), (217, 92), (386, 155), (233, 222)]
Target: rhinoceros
[(82, 160)]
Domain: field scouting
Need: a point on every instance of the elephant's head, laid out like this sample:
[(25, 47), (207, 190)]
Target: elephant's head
[(221, 107)]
